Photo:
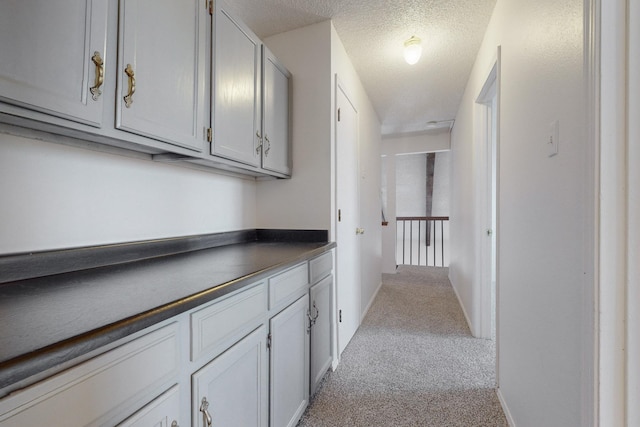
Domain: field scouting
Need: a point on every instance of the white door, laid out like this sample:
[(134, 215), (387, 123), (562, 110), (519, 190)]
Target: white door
[(348, 221), (236, 90), (161, 70), (275, 115), (232, 389), (52, 54)]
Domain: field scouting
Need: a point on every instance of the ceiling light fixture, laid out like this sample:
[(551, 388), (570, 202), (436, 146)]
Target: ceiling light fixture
[(412, 50)]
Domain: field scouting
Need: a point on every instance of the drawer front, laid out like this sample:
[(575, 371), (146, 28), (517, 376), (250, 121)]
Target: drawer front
[(92, 393), (320, 267), (286, 287), (221, 324)]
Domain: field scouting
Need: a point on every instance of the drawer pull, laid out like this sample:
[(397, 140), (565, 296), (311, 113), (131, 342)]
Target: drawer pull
[(174, 424), (206, 416)]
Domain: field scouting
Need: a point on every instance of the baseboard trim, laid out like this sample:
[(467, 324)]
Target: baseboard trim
[(373, 298), (505, 408), (466, 316)]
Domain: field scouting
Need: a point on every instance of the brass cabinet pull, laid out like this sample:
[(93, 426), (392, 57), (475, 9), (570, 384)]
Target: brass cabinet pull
[(259, 142), (128, 99), (266, 151), (95, 90), (204, 408)]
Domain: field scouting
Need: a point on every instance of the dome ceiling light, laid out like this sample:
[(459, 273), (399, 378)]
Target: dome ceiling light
[(412, 50)]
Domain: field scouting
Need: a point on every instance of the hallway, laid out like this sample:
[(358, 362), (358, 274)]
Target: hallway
[(412, 362)]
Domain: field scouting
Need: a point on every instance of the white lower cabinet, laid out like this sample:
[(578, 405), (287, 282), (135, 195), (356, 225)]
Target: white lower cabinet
[(232, 389), (320, 311), (289, 364), (164, 411), (218, 364), (101, 391)]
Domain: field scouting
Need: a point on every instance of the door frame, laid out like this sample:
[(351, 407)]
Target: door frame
[(487, 204)]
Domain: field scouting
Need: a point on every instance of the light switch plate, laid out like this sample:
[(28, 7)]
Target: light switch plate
[(553, 138)]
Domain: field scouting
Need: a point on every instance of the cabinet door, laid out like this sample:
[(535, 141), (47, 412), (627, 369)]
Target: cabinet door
[(232, 389), (275, 110), (289, 362), (164, 411), (320, 310), (236, 90), (53, 53), (161, 70)]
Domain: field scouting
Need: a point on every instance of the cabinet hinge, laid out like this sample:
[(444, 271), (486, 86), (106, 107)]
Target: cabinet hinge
[(209, 134), (340, 316), (339, 215), (269, 341), (338, 114)]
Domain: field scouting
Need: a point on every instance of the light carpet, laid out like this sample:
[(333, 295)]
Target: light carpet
[(412, 362)]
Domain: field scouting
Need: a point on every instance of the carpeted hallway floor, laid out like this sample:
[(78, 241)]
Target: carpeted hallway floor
[(413, 362)]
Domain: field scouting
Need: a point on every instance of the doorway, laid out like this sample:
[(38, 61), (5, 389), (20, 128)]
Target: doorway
[(487, 203)]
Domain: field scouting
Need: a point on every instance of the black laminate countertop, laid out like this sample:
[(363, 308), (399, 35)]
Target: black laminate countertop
[(50, 320)]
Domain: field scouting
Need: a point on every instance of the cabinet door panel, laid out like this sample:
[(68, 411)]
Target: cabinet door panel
[(235, 385), (236, 90), (321, 357), (275, 151), (162, 412), (163, 42), (47, 56), (289, 362)]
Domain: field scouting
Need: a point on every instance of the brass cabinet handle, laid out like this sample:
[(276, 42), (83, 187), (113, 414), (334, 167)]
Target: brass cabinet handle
[(259, 143), (128, 99), (95, 90), (266, 151), (204, 408)]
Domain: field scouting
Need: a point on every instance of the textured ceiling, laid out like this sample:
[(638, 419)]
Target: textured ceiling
[(406, 97)]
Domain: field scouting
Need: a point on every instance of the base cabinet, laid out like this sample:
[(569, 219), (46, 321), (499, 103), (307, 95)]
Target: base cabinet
[(247, 359), (232, 389), (321, 357), (162, 412), (289, 364)]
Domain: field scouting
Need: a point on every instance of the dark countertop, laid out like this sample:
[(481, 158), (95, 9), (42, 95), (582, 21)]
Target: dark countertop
[(50, 320)]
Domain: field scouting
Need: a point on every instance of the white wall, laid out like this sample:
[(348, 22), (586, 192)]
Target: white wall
[(411, 184), (55, 196), (541, 212), (441, 184), (369, 132), (304, 201)]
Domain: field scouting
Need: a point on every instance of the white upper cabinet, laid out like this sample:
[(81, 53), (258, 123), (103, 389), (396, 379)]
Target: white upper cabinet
[(53, 57), (161, 70), (236, 90), (275, 115)]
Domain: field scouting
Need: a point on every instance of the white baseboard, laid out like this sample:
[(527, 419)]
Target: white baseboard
[(466, 316), (505, 408), (373, 298)]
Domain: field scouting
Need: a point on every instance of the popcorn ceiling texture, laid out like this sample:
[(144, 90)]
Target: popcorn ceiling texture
[(405, 97)]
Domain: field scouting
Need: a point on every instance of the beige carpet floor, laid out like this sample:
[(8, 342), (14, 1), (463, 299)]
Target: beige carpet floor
[(412, 362)]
